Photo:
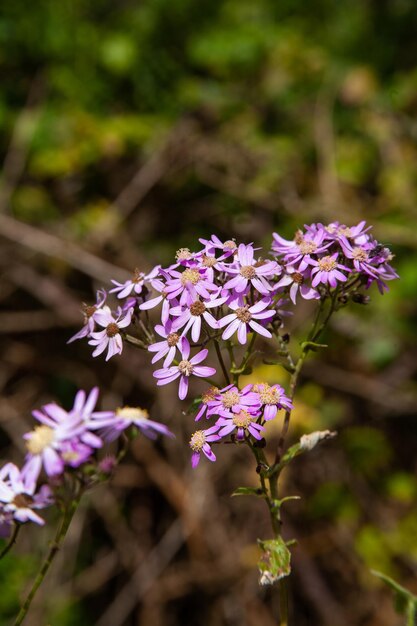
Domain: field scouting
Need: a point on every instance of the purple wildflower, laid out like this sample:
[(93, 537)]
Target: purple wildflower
[(136, 284), (244, 317), (110, 337), (230, 398), (250, 271), (185, 368), (297, 282), (200, 442), (113, 423), (243, 422), (326, 271), (191, 315), (168, 347), (44, 442), (89, 312), (206, 397), (272, 398), (18, 497)]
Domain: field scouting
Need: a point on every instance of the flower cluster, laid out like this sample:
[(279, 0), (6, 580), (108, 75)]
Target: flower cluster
[(63, 441), (223, 293), (325, 257), (240, 413)]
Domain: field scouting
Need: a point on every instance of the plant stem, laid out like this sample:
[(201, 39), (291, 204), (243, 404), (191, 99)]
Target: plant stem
[(313, 335), (221, 361), (11, 542), (283, 602), (55, 546)]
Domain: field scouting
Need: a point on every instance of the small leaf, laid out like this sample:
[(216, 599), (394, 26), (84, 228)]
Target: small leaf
[(311, 345), (275, 561), (248, 491)]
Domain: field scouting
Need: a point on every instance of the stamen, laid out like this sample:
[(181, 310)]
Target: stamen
[(190, 276), (230, 398), (112, 329), (197, 441), (185, 368), (41, 438), (248, 271), (197, 308), (243, 314), (327, 264)]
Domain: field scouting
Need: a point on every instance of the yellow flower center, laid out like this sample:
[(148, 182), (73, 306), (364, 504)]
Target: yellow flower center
[(132, 413), (185, 368), (40, 438), (230, 398), (209, 395), (269, 395), (327, 264), (248, 271), (307, 247), (190, 276), (197, 441), (242, 419)]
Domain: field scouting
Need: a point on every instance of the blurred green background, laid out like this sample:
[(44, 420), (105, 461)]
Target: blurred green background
[(129, 129)]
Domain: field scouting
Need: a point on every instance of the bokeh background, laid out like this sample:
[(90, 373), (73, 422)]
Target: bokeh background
[(129, 129)]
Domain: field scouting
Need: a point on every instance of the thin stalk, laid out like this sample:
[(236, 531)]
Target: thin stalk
[(54, 549), (221, 361), (134, 341), (11, 541), (315, 332)]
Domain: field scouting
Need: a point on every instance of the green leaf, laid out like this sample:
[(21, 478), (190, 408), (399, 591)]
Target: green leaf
[(275, 561), (248, 491), (404, 600)]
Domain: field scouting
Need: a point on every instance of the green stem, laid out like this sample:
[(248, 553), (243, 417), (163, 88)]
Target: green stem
[(221, 361), (411, 613), (54, 549), (314, 334), (135, 342), (11, 542)]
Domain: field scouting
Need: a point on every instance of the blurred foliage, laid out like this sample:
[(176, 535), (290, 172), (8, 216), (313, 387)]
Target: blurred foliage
[(293, 112)]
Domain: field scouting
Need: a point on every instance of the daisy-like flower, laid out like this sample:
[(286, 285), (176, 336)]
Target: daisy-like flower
[(200, 442), (228, 247), (44, 442), (186, 367), (189, 285), (168, 347), (327, 271), (297, 283), (232, 399), (272, 398), (89, 312), (244, 318), (362, 257), (153, 302), (18, 497), (206, 398), (191, 315), (299, 251), (136, 284), (248, 270), (113, 423), (109, 338), (244, 423)]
